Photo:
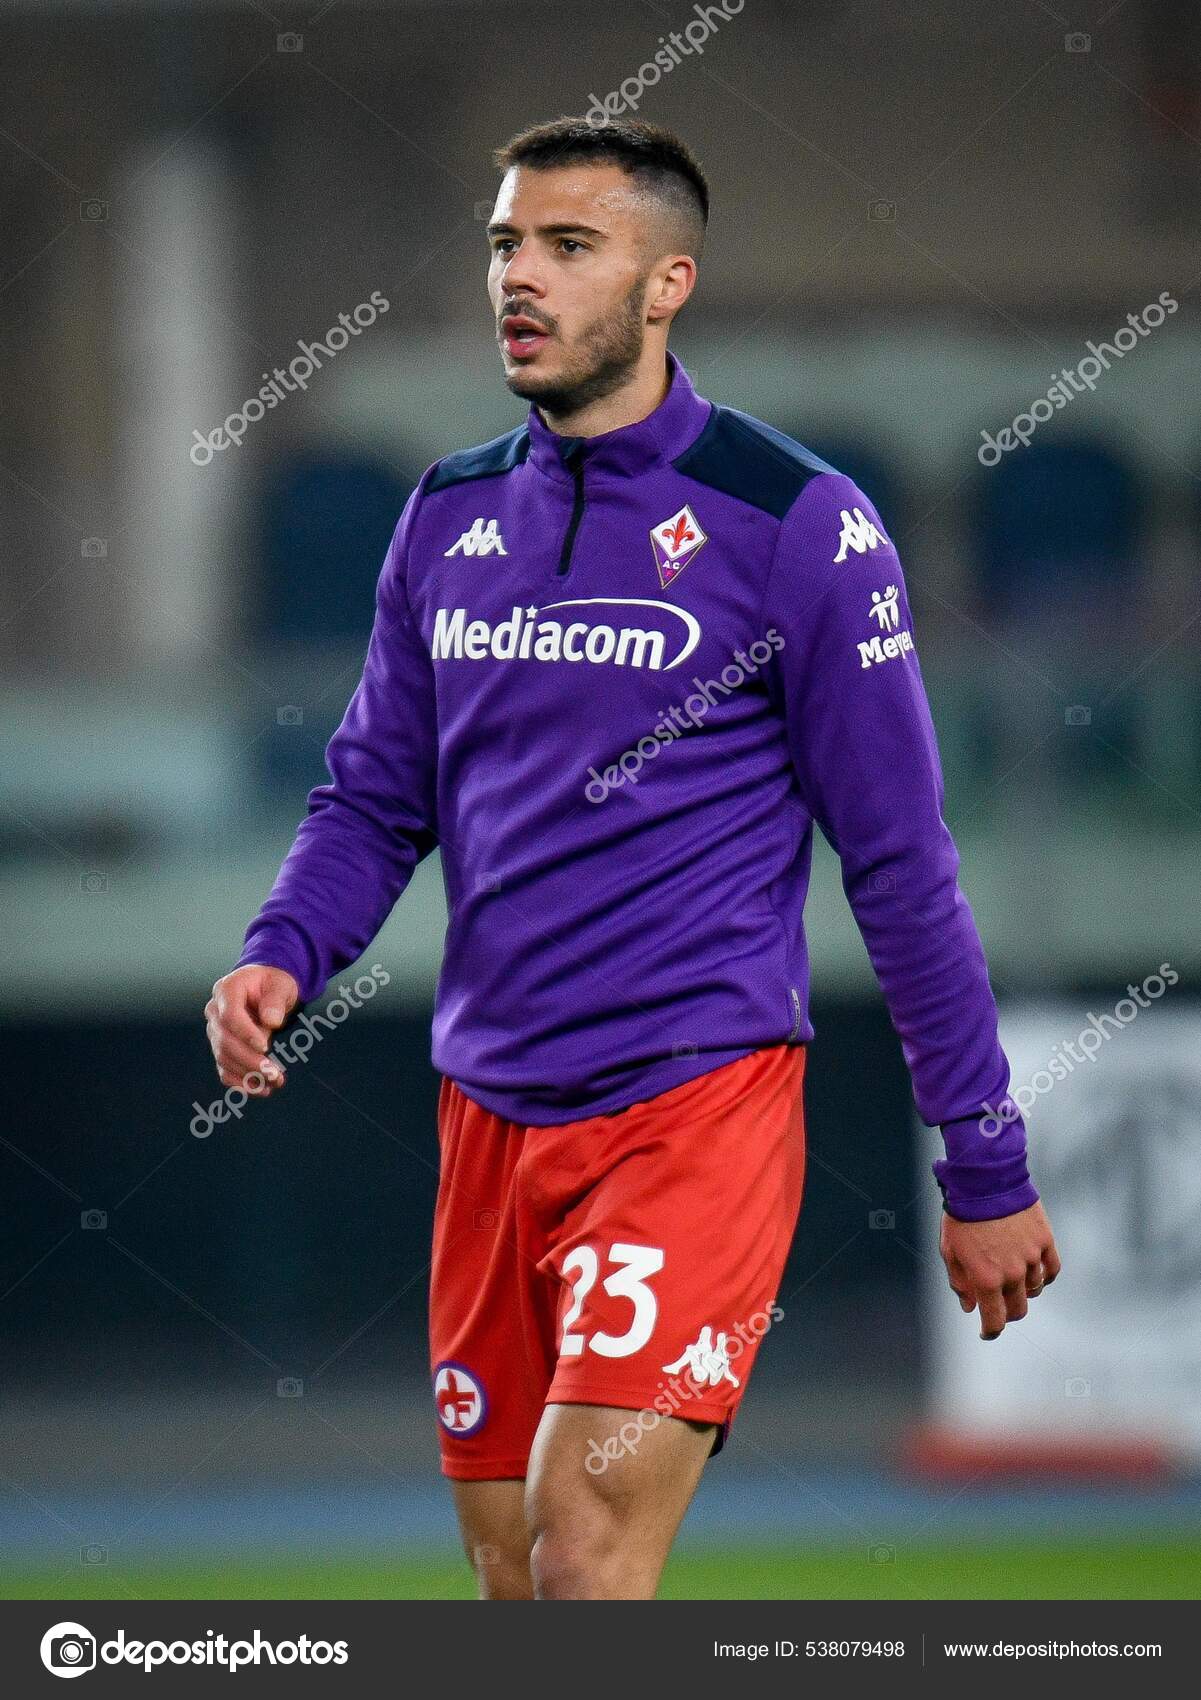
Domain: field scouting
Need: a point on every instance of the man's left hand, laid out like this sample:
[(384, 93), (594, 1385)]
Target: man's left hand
[(999, 1265)]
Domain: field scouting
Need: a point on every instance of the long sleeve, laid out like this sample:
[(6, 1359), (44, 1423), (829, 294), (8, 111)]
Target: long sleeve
[(366, 830), (864, 752)]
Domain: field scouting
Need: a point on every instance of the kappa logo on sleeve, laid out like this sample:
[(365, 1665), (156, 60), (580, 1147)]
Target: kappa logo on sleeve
[(857, 533)]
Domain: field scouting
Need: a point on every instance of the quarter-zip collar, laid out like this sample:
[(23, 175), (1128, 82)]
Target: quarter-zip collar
[(664, 434)]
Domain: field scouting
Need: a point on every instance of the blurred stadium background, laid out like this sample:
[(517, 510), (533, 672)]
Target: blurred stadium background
[(215, 1375)]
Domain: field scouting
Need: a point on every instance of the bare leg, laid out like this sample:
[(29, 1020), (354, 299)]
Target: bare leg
[(603, 1531), (495, 1537)]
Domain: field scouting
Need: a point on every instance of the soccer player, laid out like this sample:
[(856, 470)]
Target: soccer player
[(624, 658)]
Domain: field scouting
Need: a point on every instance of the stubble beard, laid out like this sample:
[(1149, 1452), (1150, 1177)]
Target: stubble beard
[(609, 351)]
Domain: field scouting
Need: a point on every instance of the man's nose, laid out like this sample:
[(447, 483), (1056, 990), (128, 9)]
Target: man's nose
[(521, 276)]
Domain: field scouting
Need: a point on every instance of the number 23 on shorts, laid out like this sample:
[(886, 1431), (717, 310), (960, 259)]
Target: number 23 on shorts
[(629, 1280)]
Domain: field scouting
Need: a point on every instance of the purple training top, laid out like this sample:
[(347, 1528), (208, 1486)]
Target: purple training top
[(616, 680)]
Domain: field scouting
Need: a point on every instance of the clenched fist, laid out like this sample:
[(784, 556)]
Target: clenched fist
[(245, 1009), (999, 1265)]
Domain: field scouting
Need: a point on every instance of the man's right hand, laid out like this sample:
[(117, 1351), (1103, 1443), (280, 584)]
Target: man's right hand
[(245, 1009)]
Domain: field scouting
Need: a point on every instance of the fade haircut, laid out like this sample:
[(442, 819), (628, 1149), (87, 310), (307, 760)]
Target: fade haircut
[(663, 165)]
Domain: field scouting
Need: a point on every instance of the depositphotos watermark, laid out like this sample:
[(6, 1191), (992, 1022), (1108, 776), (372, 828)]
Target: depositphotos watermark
[(1084, 1048), (674, 722), (692, 39), (705, 1364), (68, 1649), (299, 369), (1061, 393), (295, 1048)]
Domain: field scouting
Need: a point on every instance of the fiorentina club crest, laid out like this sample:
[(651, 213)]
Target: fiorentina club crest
[(459, 1398), (675, 541)]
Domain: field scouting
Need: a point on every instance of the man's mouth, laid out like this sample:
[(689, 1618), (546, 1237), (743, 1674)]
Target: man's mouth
[(522, 335)]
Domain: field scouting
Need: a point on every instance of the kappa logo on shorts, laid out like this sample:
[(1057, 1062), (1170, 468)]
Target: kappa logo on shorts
[(459, 1398), (705, 1361)]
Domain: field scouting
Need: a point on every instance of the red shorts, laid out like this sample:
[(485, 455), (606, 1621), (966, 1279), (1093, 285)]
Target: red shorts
[(629, 1259)]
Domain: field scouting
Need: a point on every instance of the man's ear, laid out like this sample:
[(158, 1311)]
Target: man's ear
[(672, 284)]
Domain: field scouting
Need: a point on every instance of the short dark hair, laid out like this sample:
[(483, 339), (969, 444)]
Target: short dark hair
[(647, 152)]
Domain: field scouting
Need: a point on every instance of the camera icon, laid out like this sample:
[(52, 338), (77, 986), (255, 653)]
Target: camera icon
[(1076, 42), (1076, 1387), (485, 1554), (882, 212), (92, 211), (881, 1219), (1077, 715), (93, 548), (483, 211), (93, 1219), (684, 1048), (93, 884), (289, 715), (68, 1649), (289, 42), (881, 1555), (289, 1387), (882, 881), (93, 1555), (485, 1218), (488, 882)]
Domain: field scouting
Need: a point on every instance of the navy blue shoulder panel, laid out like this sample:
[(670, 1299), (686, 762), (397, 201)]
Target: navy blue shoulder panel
[(743, 457), (488, 460)]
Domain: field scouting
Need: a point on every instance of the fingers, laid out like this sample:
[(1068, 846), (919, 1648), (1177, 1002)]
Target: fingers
[(235, 1060), (992, 1312), (1007, 1300), (961, 1286), (236, 1063), (238, 1041), (1041, 1271), (230, 1004), (1016, 1302), (997, 1265), (271, 996)]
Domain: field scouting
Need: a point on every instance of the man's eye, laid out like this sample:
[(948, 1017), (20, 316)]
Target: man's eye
[(569, 243), (501, 243)]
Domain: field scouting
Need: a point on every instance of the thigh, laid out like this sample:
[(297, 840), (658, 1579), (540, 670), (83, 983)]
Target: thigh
[(669, 1259), (491, 1314)]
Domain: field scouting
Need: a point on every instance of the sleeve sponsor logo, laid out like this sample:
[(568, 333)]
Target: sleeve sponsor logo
[(885, 609)]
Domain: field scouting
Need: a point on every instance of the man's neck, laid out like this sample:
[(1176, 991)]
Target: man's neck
[(646, 390)]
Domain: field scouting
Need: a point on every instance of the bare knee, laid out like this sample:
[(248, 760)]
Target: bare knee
[(495, 1539), (604, 1532), (577, 1552), (501, 1573)]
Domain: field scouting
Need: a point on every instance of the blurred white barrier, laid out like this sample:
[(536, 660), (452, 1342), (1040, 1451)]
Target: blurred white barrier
[(1110, 1356)]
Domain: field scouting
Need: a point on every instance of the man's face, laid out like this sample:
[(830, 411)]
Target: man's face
[(567, 281)]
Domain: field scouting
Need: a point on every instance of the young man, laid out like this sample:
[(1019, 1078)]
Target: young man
[(624, 658)]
